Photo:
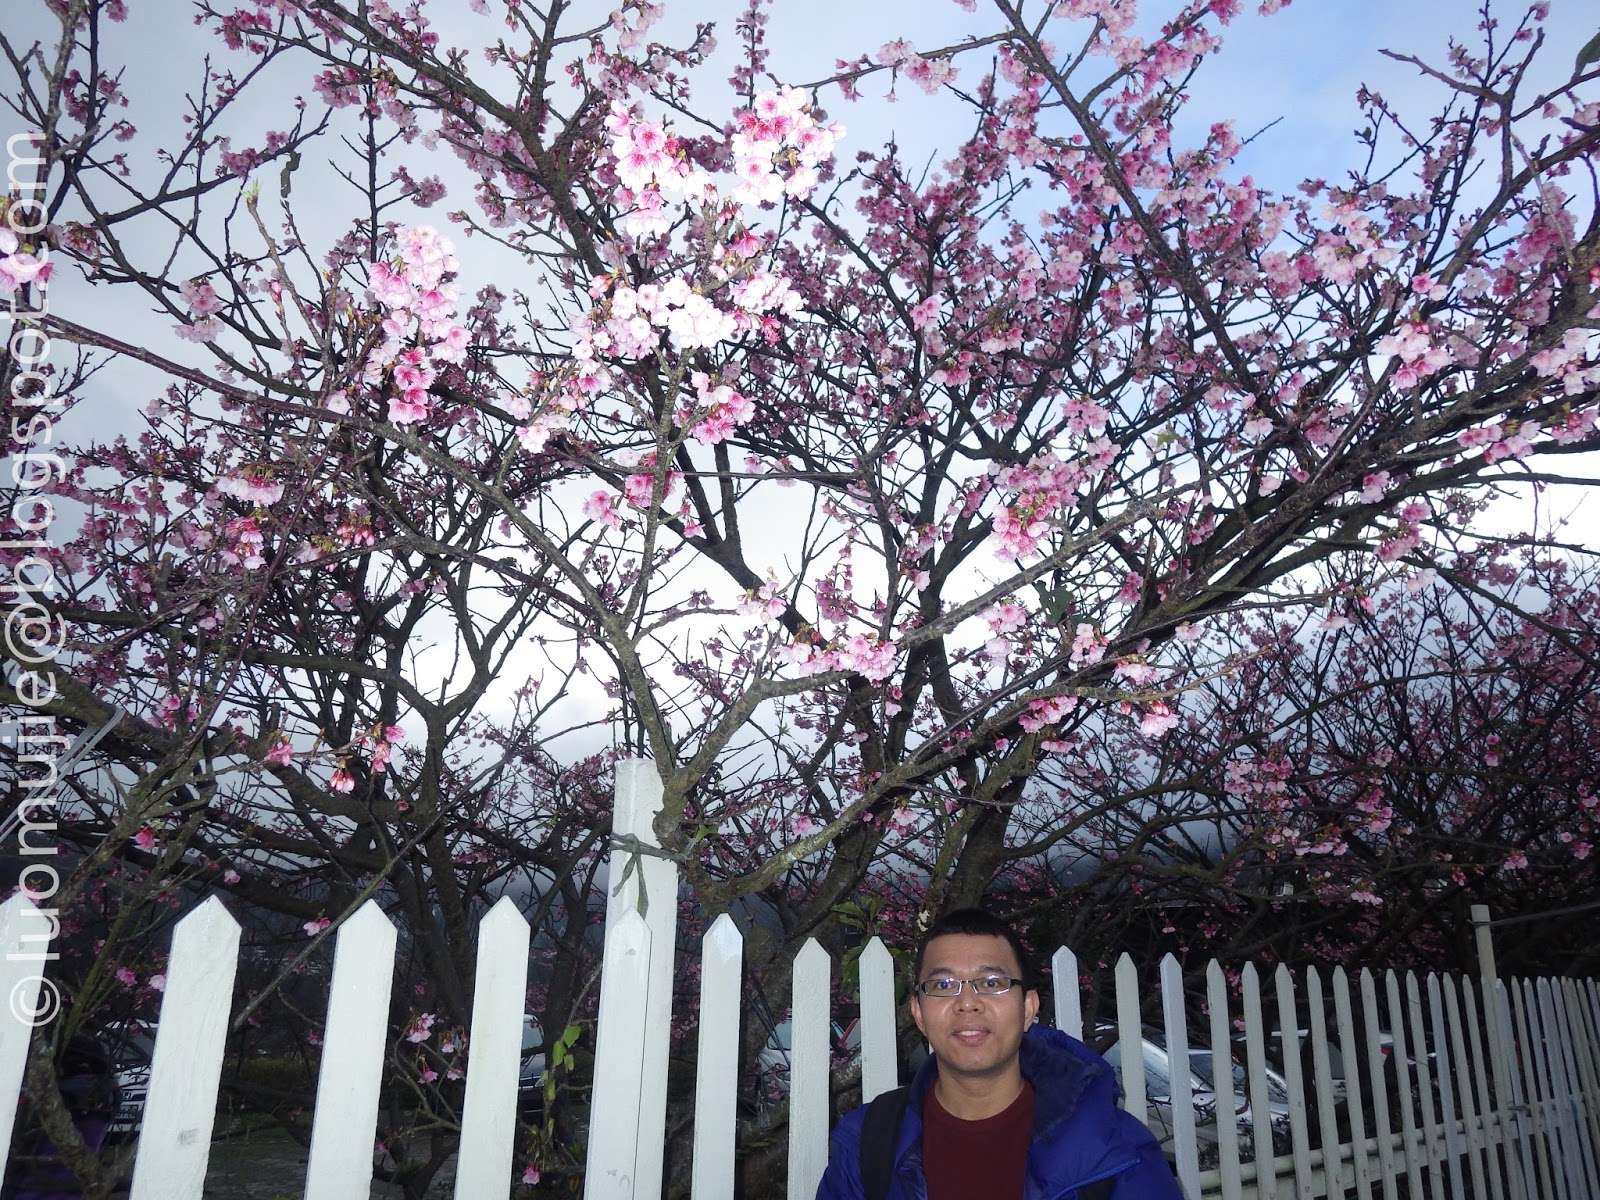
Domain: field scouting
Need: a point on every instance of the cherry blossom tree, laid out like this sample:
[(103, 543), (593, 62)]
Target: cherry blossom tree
[(512, 393)]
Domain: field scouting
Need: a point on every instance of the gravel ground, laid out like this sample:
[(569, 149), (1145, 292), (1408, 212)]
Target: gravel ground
[(270, 1165)]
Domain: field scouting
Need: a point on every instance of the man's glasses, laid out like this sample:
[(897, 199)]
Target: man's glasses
[(984, 985)]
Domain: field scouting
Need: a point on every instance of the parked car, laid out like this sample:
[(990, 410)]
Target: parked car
[(772, 1062), (530, 1077), (1203, 1062), (131, 1047), (1158, 1073)]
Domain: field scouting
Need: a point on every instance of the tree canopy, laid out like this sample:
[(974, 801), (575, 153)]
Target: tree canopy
[(417, 412)]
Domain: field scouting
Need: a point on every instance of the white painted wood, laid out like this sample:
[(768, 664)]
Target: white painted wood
[(345, 1121), (1383, 1122), (1255, 1070), (1527, 1019), (1222, 1074), (1519, 1092), (1432, 1142), (1560, 1093), (1465, 1083), (1354, 1101), (1562, 1053), (1401, 1047), (1289, 1043), (618, 1060), (23, 985), (809, 1069), (880, 1071), (1454, 1144), (186, 1064), (1069, 993), (1578, 1033), (499, 998), (1177, 1038), (1322, 1083), (1491, 1129), (1130, 1038), (717, 1079), (651, 887), (1575, 1036), (1497, 1029)]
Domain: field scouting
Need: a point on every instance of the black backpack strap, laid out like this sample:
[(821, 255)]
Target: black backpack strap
[(879, 1132)]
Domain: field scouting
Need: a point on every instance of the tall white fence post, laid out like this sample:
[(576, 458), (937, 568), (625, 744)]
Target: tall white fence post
[(646, 884)]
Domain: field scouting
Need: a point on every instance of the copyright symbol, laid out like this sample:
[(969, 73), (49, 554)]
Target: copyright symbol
[(37, 1009)]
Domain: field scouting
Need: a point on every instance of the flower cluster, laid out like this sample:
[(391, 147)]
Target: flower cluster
[(862, 653), (19, 267), (419, 328)]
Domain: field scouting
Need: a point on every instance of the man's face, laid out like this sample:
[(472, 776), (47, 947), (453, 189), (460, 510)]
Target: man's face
[(973, 1035)]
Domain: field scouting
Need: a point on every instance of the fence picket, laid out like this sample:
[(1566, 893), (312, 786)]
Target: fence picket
[(1576, 1032), (345, 1120), (22, 985), (1454, 1146), (619, 1060), (1495, 1145), (186, 1065), (809, 1069), (1432, 1142), (1322, 1081), (1289, 1043), (1581, 1023), (1472, 1131), (494, 1060), (1525, 1177), (1130, 1046), (879, 1068), (1382, 1125), (1266, 1159), (1551, 1180), (717, 1078), (1179, 1072), (1069, 995), (1582, 1150), (1350, 1058), (1401, 1046), (1222, 1076)]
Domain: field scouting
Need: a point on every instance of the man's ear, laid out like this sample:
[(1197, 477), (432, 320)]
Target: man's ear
[(916, 1012), (1030, 1006)]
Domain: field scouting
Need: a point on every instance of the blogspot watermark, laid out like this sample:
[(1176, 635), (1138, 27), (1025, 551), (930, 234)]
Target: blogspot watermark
[(33, 630)]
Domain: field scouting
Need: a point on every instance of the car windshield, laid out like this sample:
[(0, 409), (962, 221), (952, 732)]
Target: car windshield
[(1201, 1060)]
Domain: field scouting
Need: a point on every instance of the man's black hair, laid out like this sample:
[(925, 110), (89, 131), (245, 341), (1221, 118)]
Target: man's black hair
[(986, 924)]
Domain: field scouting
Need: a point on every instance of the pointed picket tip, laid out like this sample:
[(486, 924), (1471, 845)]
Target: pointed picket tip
[(209, 915), (368, 920), (812, 956), (1169, 962), (1214, 973), (1249, 974), (724, 937), (506, 913)]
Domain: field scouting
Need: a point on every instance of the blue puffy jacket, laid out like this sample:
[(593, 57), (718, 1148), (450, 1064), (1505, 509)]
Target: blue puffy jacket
[(1080, 1136)]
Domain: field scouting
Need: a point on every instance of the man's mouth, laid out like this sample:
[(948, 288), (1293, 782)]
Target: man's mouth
[(970, 1036)]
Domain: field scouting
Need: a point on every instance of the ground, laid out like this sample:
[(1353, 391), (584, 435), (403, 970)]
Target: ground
[(269, 1165)]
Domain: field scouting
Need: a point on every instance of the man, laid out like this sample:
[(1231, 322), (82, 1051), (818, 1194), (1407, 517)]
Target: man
[(1003, 1109)]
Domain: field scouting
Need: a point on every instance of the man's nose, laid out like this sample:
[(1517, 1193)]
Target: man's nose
[(969, 998)]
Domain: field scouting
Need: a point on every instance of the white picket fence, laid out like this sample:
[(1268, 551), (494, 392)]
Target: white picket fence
[(1504, 1102)]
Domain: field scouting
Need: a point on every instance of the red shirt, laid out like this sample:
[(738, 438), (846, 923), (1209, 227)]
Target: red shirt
[(976, 1160)]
